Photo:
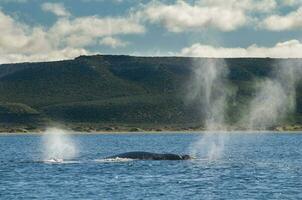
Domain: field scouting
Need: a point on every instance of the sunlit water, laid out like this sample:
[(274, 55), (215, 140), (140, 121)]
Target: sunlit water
[(253, 166)]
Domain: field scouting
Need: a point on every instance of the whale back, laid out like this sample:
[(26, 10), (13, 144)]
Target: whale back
[(141, 155)]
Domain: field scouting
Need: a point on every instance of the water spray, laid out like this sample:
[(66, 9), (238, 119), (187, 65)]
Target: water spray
[(210, 88), (276, 97), (57, 145)]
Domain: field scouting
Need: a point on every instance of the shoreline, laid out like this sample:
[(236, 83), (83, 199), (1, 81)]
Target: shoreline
[(19, 129), (72, 132)]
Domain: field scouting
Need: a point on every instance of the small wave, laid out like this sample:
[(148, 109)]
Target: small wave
[(117, 159), (59, 161), (54, 160)]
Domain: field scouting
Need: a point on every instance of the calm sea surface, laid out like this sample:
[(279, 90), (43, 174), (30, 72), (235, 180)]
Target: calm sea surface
[(253, 166)]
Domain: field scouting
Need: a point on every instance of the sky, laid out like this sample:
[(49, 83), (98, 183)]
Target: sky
[(45, 30)]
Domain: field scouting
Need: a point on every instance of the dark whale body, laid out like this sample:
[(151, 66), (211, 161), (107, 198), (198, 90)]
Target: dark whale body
[(140, 155)]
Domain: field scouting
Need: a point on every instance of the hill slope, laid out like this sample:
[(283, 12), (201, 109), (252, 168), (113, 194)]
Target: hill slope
[(102, 91)]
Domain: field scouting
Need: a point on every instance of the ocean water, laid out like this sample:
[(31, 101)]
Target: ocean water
[(253, 166)]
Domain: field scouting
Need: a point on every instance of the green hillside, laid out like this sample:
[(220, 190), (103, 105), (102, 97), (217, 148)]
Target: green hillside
[(101, 91)]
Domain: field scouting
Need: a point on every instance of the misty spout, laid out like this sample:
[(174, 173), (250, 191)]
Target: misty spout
[(275, 98), (209, 87)]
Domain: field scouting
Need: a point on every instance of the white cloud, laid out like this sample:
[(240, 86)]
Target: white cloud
[(290, 2), (114, 1), (84, 31), (17, 37), (20, 42), (219, 14), (95, 26), (290, 21), (245, 5), (288, 49), (52, 55), (56, 8), (182, 16), (113, 42), (67, 38)]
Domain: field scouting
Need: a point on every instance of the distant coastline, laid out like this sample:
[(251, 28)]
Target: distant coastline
[(131, 129)]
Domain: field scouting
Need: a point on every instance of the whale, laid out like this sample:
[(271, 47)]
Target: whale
[(141, 155)]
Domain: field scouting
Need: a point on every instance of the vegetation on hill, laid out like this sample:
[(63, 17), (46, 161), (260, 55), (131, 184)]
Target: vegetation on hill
[(120, 91)]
